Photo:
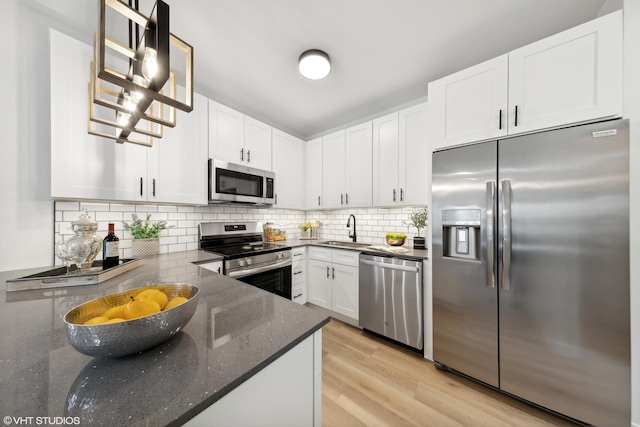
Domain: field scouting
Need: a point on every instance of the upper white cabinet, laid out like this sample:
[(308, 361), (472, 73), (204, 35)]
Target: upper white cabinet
[(288, 165), (314, 174), (571, 77), (237, 138), (333, 170), (85, 166), (400, 158), (358, 163)]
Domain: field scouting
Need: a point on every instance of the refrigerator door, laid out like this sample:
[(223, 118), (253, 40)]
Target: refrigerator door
[(465, 302), (564, 271)]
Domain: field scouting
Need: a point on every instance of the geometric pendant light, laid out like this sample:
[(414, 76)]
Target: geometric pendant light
[(135, 95)]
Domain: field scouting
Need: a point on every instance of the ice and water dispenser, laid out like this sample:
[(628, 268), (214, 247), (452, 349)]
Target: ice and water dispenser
[(461, 233)]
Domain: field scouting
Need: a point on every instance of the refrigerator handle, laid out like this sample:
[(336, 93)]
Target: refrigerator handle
[(506, 235), (491, 194)]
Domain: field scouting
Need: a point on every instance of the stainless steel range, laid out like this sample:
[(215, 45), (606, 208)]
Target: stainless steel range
[(246, 257)]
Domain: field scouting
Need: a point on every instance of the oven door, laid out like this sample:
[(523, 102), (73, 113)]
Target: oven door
[(232, 183), (274, 278)]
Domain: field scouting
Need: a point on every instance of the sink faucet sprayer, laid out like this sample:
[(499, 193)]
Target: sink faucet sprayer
[(352, 236)]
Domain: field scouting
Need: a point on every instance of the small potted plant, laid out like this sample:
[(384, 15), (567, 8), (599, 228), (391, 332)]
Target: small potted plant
[(146, 242), (418, 218), (305, 230)]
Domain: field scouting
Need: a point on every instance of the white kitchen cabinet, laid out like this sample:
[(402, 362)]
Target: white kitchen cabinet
[(571, 77), (358, 163), (314, 174), (215, 266), (289, 167), (470, 105), (346, 167), (299, 275), (414, 152), (85, 166), (386, 160), (333, 170), (333, 280), (237, 138)]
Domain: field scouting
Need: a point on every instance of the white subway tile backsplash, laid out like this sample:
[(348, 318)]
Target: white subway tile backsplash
[(372, 224)]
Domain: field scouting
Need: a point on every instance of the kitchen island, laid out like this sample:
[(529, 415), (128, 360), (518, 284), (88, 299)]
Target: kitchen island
[(240, 340)]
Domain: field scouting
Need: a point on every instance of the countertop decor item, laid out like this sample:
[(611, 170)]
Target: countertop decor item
[(418, 218), (145, 235), (395, 239), (127, 93), (129, 336), (82, 248)]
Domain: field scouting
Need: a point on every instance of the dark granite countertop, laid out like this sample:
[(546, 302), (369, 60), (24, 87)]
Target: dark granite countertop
[(236, 331), (420, 254)]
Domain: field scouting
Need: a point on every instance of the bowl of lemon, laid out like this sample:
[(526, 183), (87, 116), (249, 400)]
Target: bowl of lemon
[(132, 321)]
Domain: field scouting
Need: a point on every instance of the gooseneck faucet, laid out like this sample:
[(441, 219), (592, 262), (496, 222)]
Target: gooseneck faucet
[(352, 236)]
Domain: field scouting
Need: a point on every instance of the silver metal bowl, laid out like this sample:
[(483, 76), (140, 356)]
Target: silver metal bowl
[(130, 336)]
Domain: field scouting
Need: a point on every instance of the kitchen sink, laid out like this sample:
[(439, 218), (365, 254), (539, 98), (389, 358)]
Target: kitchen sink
[(338, 243)]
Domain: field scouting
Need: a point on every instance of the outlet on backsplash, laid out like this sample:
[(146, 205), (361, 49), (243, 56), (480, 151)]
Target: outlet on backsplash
[(373, 223)]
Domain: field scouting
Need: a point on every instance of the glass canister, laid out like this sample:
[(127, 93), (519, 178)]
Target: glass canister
[(87, 243)]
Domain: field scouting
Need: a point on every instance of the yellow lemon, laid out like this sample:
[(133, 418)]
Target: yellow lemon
[(115, 320), (155, 294), (114, 312), (140, 307), (175, 302), (96, 320)]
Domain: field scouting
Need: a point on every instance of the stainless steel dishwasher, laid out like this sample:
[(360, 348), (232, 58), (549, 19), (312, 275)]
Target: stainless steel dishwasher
[(391, 298)]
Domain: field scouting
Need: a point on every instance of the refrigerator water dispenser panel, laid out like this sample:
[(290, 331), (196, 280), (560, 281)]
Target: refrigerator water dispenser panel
[(461, 233)]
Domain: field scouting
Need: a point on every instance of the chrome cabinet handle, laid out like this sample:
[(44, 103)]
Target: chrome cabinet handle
[(341, 199), (333, 273), (506, 235), (401, 195), (490, 202), (394, 194), (242, 154), (248, 156), (276, 199), (327, 272), (318, 200), (346, 198)]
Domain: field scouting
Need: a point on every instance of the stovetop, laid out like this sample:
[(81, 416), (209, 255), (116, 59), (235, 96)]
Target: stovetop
[(242, 250), (235, 240)]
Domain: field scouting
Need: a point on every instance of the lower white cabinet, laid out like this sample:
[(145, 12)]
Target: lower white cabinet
[(215, 266), (299, 275), (333, 280)]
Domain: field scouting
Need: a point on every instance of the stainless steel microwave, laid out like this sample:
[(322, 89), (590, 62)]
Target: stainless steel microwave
[(231, 183)]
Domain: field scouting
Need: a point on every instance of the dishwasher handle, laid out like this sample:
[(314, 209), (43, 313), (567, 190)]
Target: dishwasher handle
[(412, 269)]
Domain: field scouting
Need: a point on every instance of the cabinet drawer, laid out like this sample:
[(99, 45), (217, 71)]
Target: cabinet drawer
[(298, 273), (298, 255), (320, 253), (299, 293), (344, 257)]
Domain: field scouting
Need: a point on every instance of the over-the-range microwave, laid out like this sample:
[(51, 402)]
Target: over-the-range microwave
[(231, 183)]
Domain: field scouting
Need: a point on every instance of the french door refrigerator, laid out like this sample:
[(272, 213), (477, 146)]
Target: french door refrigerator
[(531, 268)]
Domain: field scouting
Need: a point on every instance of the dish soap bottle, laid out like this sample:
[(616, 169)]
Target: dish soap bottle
[(110, 249)]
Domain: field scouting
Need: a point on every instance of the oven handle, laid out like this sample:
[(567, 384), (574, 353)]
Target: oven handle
[(248, 272)]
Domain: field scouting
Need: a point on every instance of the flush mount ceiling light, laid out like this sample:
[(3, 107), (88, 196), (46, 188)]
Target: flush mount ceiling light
[(314, 64), (136, 93)]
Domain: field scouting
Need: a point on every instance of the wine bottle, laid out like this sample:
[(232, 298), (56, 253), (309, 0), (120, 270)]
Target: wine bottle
[(110, 249)]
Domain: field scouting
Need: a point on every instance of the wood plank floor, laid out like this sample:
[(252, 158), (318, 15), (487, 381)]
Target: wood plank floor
[(367, 381)]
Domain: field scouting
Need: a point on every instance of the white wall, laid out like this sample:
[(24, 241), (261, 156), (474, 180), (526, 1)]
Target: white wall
[(632, 111)]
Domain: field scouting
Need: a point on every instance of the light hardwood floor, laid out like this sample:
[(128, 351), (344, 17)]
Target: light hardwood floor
[(368, 381)]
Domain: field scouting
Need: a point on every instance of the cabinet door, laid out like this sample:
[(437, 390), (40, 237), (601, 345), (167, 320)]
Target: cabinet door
[(570, 77), (226, 133), (319, 283), (257, 144), (288, 165), (358, 172), (385, 161), (333, 170), (182, 148), (345, 291), (314, 174), (215, 266), (414, 173), (85, 166), (470, 105)]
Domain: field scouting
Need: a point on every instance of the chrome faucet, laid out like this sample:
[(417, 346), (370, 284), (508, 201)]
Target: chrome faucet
[(352, 236)]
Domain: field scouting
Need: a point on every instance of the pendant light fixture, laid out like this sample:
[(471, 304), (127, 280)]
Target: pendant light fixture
[(314, 64), (140, 97)]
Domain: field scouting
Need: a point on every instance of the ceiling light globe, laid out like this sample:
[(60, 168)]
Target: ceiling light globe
[(314, 64)]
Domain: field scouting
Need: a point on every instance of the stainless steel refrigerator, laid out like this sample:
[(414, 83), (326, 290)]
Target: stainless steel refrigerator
[(531, 268)]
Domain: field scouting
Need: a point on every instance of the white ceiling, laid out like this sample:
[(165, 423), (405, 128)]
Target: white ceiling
[(384, 52)]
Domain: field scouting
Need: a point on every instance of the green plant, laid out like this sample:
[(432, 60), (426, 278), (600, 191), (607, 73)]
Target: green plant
[(304, 227), (418, 218), (144, 229)]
